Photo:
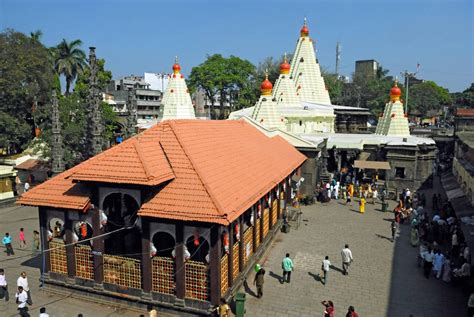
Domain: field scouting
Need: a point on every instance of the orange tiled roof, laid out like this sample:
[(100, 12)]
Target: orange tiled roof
[(220, 169), (465, 113), (58, 192), (135, 161), (225, 167)]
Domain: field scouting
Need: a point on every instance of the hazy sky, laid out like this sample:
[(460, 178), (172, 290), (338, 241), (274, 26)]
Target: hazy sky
[(138, 36)]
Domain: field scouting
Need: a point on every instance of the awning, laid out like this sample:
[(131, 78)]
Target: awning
[(363, 156), (374, 165)]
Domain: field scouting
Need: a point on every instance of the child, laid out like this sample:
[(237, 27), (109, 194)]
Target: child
[(22, 239)]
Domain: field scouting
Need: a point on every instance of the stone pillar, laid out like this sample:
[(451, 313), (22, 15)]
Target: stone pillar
[(262, 209), (180, 263), (97, 247), (146, 259), (70, 249), (215, 264)]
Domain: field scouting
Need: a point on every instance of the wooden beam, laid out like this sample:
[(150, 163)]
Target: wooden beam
[(70, 249)]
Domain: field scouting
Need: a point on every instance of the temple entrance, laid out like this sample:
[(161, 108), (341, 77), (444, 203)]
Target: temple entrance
[(121, 211)]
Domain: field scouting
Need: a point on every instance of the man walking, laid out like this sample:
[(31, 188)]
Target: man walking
[(7, 242), (21, 299), (23, 283), (3, 286), (346, 259), (258, 281), (287, 266), (325, 267)]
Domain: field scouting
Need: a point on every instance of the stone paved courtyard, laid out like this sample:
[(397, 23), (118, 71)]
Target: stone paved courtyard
[(384, 279)]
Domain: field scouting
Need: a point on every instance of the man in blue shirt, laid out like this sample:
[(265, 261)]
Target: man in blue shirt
[(7, 242), (287, 266)]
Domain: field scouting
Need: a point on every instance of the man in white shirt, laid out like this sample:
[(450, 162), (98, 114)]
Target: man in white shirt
[(3, 286), (347, 259), (43, 312), (23, 282), (21, 298), (325, 267)]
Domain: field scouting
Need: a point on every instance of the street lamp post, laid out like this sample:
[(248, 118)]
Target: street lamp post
[(407, 76)]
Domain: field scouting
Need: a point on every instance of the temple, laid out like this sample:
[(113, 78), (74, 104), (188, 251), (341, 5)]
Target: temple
[(176, 102), (393, 121), (305, 71), (178, 214), (339, 133)]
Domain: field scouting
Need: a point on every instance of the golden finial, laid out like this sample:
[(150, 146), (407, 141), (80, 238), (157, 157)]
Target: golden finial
[(176, 59), (286, 60), (305, 22), (266, 73)]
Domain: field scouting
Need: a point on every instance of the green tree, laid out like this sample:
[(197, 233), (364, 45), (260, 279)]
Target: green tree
[(222, 77), (464, 99), (70, 61), (36, 36), (427, 96), (26, 79), (14, 133), (334, 85)]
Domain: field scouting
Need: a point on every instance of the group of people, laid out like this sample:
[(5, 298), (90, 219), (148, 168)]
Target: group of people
[(8, 239), (443, 252), (324, 192), (23, 295), (329, 309)]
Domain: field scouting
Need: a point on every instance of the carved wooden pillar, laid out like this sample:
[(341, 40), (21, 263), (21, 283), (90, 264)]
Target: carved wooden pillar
[(215, 264), (230, 265), (70, 249), (240, 221), (97, 247), (146, 259), (262, 212), (179, 262), (253, 210), (43, 222)]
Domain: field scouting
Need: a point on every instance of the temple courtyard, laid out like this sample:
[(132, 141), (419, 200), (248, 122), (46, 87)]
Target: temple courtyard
[(384, 279)]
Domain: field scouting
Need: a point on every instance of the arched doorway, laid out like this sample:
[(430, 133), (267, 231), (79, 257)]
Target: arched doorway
[(164, 244), (121, 211), (198, 252)]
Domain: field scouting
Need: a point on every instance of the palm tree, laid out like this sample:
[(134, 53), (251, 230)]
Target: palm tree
[(70, 61), (36, 36)]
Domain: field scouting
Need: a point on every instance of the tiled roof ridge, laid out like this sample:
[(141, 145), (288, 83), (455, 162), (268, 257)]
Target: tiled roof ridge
[(142, 159), (173, 126)]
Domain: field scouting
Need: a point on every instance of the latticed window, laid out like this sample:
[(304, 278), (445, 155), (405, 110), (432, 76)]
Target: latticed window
[(57, 256), (84, 263), (248, 244), (197, 280), (224, 274), (122, 271), (257, 227), (235, 261), (274, 211), (163, 275), (266, 222)]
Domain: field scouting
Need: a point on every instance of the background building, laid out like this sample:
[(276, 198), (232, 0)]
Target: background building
[(366, 68)]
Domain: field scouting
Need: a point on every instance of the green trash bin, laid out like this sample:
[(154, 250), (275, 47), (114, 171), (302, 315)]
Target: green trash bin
[(384, 207), (239, 304)]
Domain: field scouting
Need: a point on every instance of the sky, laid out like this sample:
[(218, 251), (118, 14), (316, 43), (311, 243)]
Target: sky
[(137, 36)]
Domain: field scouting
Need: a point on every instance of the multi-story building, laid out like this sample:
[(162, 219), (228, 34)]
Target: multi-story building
[(147, 99), (366, 68)]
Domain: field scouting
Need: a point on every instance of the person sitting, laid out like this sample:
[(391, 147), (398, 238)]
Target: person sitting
[(464, 272)]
